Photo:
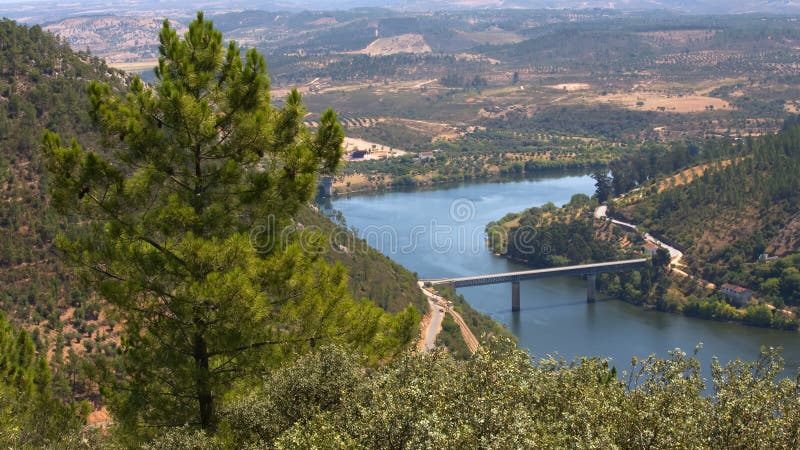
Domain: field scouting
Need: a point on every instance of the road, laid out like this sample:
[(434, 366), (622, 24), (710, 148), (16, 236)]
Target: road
[(466, 333), (434, 326), (438, 307), (676, 256)]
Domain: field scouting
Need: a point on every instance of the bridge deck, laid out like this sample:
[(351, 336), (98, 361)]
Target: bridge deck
[(508, 277)]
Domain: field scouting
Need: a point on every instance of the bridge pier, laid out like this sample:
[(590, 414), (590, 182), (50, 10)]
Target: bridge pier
[(515, 296), (591, 285)]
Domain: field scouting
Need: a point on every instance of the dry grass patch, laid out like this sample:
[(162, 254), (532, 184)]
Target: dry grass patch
[(473, 57), (436, 130), (788, 239), (404, 43), (678, 36), (504, 112), (136, 66), (570, 87), (493, 36), (653, 101)]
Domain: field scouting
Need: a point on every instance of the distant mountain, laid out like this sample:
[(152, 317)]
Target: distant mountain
[(42, 11), (684, 6), (118, 39)]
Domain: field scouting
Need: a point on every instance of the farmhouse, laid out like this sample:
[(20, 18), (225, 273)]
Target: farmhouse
[(650, 249), (736, 294), (425, 155)]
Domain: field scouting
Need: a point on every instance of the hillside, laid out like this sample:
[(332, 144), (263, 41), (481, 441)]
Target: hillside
[(741, 207), (33, 414), (117, 39), (550, 236), (404, 43), (372, 275), (43, 86)]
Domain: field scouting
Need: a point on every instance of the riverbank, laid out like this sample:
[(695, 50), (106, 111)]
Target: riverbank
[(340, 188)]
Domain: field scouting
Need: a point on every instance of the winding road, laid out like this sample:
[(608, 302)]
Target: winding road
[(675, 255), (434, 326)]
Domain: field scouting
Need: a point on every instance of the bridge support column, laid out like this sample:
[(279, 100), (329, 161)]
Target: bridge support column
[(591, 285), (515, 296)]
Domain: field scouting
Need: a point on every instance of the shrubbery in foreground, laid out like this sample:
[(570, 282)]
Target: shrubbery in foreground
[(502, 399)]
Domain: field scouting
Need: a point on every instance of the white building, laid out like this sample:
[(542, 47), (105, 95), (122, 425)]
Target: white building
[(736, 294)]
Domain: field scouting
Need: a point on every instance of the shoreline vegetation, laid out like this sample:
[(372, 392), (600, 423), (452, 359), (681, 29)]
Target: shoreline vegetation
[(383, 186), (442, 164)]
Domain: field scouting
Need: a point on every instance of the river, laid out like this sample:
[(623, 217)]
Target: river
[(439, 233)]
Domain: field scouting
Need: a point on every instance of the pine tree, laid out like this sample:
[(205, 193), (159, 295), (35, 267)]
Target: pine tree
[(177, 228)]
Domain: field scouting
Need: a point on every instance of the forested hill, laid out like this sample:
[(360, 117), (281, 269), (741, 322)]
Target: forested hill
[(727, 213), (42, 86), (31, 416)]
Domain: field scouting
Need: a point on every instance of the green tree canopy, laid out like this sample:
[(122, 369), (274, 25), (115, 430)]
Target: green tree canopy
[(177, 225)]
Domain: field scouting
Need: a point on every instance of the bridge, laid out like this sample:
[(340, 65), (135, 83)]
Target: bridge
[(590, 271)]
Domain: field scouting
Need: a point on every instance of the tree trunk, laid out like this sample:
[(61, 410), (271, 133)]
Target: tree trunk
[(205, 397)]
